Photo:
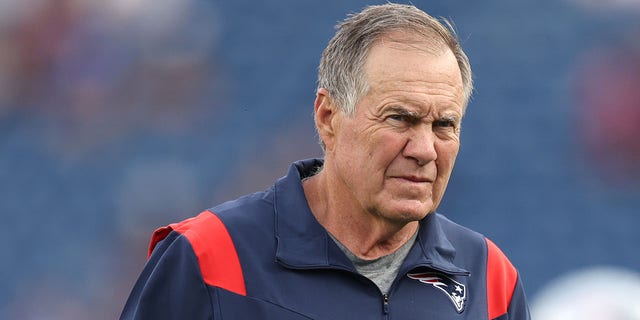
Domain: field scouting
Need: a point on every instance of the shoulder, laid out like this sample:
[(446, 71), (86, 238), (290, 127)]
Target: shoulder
[(468, 243), (502, 279), (465, 239), (210, 237), (500, 274), (253, 201), (482, 255), (194, 229), (212, 245), (251, 208)]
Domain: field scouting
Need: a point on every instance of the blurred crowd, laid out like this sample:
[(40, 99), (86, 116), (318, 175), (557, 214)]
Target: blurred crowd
[(117, 117), (97, 100)]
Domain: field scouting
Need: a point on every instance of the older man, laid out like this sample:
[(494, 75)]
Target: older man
[(354, 235)]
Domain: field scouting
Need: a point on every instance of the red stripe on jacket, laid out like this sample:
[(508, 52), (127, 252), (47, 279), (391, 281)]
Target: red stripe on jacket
[(212, 244), (501, 281)]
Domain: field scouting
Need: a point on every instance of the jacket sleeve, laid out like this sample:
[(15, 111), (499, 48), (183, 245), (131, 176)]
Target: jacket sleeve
[(171, 285), (505, 295), (518, 308)]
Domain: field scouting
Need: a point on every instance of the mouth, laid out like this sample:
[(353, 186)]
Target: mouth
[(415, 179)]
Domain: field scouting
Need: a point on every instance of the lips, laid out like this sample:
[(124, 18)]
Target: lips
[(415, 179)]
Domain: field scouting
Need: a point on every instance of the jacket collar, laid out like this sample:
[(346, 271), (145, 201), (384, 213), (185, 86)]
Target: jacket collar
[(302, 243)]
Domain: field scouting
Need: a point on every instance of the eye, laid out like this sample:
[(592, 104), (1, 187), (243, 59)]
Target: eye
[(448, 123), (399, 117), (402, 117), (444, 123)]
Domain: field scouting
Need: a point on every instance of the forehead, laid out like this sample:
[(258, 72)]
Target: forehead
[(410, 52), (414, 64)]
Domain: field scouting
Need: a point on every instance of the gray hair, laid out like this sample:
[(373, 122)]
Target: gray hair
[(342, 63)]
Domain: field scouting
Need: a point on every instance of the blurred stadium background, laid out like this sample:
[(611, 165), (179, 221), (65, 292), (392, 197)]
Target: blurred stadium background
[(117, 117)]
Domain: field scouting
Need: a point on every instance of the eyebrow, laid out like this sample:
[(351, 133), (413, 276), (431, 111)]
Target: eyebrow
[(413, 116), (450, 117), (445, 115), (402, 110)]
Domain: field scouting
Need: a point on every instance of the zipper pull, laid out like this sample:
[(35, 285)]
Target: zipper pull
[(385, 303)]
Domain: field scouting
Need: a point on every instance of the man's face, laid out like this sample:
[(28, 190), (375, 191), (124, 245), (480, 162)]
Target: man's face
[(396, 153)]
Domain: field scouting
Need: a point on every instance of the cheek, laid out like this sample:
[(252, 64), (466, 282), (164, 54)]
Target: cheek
[(386, 149), (447, 153)]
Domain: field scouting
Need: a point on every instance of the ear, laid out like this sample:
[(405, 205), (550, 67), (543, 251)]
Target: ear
[(325, 116)]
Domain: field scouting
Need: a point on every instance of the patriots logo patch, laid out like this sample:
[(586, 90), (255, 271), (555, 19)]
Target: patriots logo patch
[(456, 291)]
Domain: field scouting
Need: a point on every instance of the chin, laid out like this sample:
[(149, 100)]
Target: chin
[(409, 213)]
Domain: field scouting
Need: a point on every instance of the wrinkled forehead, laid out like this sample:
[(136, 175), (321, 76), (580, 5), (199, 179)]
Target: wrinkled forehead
[(409, 56)]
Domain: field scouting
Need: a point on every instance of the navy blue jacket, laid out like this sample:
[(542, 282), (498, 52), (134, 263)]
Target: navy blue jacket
[(265, 256)]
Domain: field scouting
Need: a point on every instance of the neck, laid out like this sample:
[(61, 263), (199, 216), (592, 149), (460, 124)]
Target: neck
[(366, 234)]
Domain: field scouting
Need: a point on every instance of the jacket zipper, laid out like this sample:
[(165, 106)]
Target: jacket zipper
[(385, 305)]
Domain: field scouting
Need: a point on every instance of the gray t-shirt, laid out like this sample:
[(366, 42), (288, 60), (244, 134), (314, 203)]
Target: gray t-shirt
[(382, 271)]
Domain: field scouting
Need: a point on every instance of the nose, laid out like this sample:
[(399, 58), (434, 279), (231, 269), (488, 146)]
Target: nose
[(421, 146)]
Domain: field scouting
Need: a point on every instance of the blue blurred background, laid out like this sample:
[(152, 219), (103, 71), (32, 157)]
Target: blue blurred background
[(117, 117)]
